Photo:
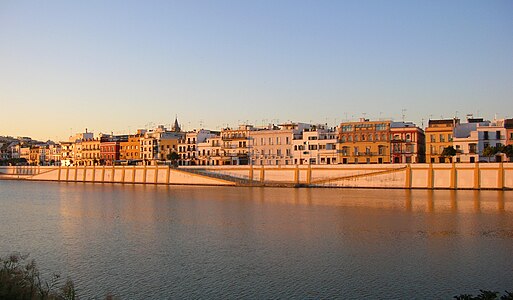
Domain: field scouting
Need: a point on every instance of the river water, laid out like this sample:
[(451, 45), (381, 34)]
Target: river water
[(159, 242)]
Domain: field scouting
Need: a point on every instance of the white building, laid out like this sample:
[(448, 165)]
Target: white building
[(318, 146), (210, 151), (273, 145), (493, 135), (188, 146)]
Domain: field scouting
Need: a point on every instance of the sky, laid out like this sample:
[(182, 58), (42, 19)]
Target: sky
[(115, 66)]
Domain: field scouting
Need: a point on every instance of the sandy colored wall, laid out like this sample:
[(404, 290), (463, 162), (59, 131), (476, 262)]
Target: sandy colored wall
[(427, 176)]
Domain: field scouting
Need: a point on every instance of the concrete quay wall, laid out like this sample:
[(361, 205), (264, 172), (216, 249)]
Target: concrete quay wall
[(109, 174), (418, 176)]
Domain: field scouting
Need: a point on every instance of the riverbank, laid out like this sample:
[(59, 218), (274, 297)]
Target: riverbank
[(495, 176)]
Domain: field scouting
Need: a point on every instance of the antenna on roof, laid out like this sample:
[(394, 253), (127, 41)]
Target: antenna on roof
[(403, 112)]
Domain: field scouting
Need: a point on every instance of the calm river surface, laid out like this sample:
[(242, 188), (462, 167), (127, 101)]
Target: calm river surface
[(140, 242)]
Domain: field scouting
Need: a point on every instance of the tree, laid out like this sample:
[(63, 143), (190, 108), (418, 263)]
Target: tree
[(173, 157), (490, 151), (508, 150), (449, 152)]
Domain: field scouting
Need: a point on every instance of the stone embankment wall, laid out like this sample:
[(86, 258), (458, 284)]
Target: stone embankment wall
[(422, 176), (118, 174)]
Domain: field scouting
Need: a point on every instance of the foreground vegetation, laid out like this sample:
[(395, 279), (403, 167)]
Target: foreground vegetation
[(486, 295), (21, 279)]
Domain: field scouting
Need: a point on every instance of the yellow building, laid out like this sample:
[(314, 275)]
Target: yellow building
[(167, 146), (90, 152), (439, 135), (364, 142)]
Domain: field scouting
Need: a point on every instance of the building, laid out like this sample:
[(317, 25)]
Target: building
[(25, 153), (273, 145), (150, 144), (508, 125), (364, 142), (55, 154), (76, 140), (67, 155), (90, 152), (466, 140), (210, 151), (110, 148), (34, 156), (493, 135), (317, 146), (407, 143), (130, 150), (439, 135), (236, 144), (188, 146)]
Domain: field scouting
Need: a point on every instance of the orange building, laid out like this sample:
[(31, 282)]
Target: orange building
[(439, 135), (364, 142), (130, 150)]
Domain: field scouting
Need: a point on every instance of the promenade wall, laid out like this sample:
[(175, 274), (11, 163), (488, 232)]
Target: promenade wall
[(420, 176), (110, 174)]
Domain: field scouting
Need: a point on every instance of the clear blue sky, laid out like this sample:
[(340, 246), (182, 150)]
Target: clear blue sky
[(121, 65)]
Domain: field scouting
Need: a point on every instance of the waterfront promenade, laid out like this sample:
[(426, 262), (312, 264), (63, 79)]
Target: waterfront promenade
[(415, 176)]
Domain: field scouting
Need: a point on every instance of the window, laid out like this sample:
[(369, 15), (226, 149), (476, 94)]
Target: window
[(442, 138), (497, 135), (345, 150), (346, 128), (485, 135), (381, 150), (433, 139), (381, 127)]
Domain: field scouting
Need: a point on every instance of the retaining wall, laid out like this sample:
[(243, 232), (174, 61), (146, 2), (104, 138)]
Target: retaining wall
[(421, 176)]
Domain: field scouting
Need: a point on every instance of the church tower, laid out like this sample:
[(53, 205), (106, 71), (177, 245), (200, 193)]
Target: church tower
[(176, 126)]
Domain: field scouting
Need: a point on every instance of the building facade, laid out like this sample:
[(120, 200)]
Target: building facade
[(364, 142), (439, 135), (274, 144), (407, 143)]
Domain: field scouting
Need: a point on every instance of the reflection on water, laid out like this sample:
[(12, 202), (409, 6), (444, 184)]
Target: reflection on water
[(142, 242)]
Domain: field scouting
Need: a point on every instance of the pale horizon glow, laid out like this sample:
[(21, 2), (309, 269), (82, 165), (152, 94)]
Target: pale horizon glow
[(117, 66)]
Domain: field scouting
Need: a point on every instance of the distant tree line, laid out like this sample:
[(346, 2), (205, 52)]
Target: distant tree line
[(13, 162)]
